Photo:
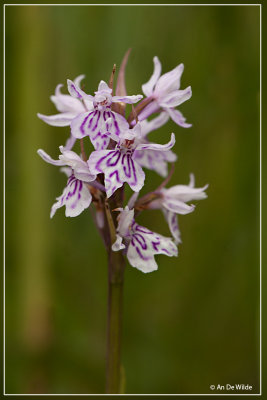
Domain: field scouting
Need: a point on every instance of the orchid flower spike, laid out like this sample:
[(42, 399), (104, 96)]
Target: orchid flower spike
[(93, 123), (166, 94), (68, 108), (141, 244)]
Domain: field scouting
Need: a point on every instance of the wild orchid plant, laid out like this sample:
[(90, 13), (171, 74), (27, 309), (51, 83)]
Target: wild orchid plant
[(122, 151)]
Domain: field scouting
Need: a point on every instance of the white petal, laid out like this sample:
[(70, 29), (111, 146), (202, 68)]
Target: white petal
[(48, 159), (127, 99), (80, 167), (63, 119), (158, 147), (156, 123), (175, 98), (149, 86), (67, 104), (103, 86), (178, 117), (169, 81), (77, 81), (185, 193), (125, 220), (172, 221), (155, 160), (70, 143), (177, 206), (118, 245)]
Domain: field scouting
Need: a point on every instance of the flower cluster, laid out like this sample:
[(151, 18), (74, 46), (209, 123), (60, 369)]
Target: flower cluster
[(122, 152)]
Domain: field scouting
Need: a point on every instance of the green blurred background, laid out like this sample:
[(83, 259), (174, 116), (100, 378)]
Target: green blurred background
[(194, 322)]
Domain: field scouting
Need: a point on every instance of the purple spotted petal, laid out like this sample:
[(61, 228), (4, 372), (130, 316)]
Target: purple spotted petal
[(117, 168), (149, 86), (76, 197), (144, 245), (157, 147)]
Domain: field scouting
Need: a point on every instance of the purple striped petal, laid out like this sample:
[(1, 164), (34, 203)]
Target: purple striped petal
[(75, 197), (99, 126), (76, 92), (117, 168), (144, 245)]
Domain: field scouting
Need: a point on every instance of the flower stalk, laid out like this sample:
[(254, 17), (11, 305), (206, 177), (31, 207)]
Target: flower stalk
[(116, 266)]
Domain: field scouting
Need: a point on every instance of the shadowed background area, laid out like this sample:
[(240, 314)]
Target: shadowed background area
[(195, 321)]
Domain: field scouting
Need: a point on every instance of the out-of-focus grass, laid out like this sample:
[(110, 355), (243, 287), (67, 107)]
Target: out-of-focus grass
[(195, 321)]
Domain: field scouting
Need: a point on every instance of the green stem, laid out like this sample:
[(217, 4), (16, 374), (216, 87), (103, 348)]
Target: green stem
[(114, 326)]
